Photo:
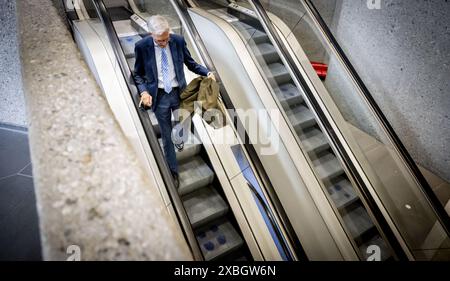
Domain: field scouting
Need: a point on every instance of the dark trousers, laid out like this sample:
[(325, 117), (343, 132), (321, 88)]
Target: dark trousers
[(166, 104)]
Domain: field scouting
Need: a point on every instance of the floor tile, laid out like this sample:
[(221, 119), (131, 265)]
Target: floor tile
[(14, 148), (19, 238), (19, 223), (28, 171)]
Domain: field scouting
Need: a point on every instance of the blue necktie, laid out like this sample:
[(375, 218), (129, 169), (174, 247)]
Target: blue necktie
[(165, 71)]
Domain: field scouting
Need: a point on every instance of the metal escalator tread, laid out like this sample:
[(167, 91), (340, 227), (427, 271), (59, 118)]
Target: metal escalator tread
[(204, 205), (192, 147), (131, 62), (342, 193), (357, 221), (119, 13), (278, 72), (328, 167), (250, 33), (288, 95), (314, 141), (301, 117), (218, 238), (194, 174), (259, 37), (128, 43), (268, 52)]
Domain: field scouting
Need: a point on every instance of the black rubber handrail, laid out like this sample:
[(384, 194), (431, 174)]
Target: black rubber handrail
[(70, 16), (272, 220), (149, 133), (329, 130), (298, 250), (406, 157)]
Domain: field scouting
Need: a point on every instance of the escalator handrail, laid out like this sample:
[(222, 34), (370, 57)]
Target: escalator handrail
[(150, 134), (254, 158), (364, 191), (272, 220), (406, 157)]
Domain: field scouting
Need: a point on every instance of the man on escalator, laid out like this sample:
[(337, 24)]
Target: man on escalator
[(160, 79)]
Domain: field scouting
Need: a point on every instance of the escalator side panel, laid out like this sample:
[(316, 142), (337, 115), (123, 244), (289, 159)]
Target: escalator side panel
[(277, 165)]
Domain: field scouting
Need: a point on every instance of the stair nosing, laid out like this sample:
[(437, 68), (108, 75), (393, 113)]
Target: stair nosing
[(219, 213)]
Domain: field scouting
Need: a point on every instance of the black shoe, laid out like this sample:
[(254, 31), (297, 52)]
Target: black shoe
[(179, 146), (176, 180)]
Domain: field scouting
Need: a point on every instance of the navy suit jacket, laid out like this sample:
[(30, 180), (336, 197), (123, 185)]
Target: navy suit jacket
[(146, 72)]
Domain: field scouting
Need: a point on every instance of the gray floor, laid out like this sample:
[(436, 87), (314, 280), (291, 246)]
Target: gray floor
[(19, 230)]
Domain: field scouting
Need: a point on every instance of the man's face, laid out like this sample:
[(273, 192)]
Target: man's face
[(162, 39)]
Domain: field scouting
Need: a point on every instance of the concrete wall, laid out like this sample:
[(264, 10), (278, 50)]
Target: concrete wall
[(12, 104), (401, 52)]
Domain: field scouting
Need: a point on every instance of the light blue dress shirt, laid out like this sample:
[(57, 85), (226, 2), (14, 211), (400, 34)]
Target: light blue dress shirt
[(172, 75)]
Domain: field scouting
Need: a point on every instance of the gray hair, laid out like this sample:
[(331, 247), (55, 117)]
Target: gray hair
[(157, 25)]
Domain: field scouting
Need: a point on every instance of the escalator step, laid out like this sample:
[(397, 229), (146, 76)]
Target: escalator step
[(268, 53), (194, 174), (217, 239), (131, 62), (128, 43), (278, 72), (251, 34), (119, 13), (357, 222), (204, 205), (191, 148), (342, 193), (259, 37), (237, 255), (328, 167), (301, 117), (314, 141), (288, 95)]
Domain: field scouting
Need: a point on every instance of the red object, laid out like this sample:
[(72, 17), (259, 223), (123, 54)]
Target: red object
[(321, 69)]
